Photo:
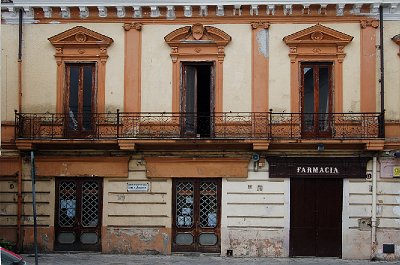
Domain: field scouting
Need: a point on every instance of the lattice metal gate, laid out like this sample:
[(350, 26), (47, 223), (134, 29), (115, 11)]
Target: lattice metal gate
[(78, 214), (197, 215)]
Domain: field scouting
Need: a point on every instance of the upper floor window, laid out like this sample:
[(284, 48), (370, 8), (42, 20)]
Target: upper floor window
[(79, 100), (316, 99)]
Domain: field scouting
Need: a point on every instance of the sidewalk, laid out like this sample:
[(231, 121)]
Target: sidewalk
[(98, 258)]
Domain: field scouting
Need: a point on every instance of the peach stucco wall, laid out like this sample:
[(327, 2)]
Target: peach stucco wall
[(39, 67)]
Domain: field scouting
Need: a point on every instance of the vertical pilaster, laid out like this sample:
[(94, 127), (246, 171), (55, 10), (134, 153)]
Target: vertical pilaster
[(368, 66), (132, 69), (260, 64)]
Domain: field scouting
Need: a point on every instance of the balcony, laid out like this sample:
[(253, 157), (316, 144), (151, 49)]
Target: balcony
[(228, 126)]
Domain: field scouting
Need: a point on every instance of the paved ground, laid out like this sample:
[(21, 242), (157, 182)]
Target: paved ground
[(97, 258)]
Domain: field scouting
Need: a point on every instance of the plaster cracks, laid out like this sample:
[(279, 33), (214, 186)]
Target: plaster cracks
[(262, 41)]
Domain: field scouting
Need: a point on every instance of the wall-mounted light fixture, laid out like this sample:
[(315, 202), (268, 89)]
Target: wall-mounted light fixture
[(320, 147), (256, 158)]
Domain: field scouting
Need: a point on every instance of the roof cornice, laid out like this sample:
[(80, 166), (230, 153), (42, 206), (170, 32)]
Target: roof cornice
[(391, 8)]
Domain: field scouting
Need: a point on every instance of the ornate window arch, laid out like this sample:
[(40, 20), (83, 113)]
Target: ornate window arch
[(317, 44), (197, 43), (78, 45)]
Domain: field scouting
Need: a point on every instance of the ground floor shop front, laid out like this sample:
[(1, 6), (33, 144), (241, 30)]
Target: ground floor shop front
[(274, 206)]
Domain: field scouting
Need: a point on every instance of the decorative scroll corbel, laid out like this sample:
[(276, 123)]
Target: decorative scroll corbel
[(369, 23), (259, 24), (136, 25)]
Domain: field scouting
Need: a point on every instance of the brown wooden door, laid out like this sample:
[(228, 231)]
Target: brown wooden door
[(196, 215), (197, 104), (316, 99), (316, 217), (78, 214), (80, 99)]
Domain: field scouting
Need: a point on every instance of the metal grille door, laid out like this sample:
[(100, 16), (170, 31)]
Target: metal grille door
[(196, 215), (78, 214)]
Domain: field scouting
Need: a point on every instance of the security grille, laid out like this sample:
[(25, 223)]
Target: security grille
[(184, 204), (90, 203), (208, 204), (67, 203)]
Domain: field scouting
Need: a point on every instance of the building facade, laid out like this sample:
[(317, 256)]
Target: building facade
[(225, 127)]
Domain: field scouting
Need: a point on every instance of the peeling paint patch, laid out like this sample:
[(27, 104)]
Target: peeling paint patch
[(136, 241), (255, 244), (262, 41)]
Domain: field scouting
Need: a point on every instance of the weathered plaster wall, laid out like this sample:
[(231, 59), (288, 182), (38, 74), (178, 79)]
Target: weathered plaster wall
[(357, 198), (279, 82), (351, 66), (255, 215), (137, 222), (39, 79), (9, 71), (156, 62), (279, 66), (357, 212), (392, 70), (45, 203), (237, 68), (388, 212), (156, 68)]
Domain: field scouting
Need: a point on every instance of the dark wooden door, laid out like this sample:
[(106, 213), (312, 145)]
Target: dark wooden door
[(196, 215), (80, 99), (316, 217), (78, 214), (316, 99)]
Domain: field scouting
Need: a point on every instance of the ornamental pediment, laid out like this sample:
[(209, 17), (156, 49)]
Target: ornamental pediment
[(197, 33), (80, 36), (318, 34)]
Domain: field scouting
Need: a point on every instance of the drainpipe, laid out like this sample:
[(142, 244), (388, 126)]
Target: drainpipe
[(373, 214), (19, 208), (382, 77), (33, 175), (19, 198), (20, 62)]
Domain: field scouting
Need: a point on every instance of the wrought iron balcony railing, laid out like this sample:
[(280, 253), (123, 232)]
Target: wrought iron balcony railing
[(224, 125)]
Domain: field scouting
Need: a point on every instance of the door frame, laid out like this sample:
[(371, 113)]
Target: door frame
[(78, 209), (80, 113), (316, 113), (315, 183), (183, 96), (196, 231)]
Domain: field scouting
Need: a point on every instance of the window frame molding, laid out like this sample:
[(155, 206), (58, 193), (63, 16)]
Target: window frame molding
[(317, 44), (197, 43), (81, 45)]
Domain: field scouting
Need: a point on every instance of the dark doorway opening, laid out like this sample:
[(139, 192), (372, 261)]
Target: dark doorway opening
[(197, 99), (316, 217)]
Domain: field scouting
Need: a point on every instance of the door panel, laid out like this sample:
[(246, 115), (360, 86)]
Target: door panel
[(302, 223), (196, 215), (316, 217), (316, 96), (329, 217), (79, 100), (78, 214)]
